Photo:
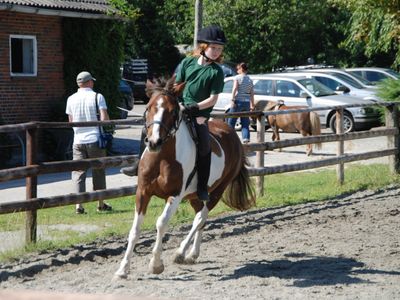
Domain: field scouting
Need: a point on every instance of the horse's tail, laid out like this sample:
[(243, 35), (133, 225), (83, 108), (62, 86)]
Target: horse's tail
[(240, 192), (315, 126)]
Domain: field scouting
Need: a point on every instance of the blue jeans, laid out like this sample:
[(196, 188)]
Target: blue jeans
[(245, 121)]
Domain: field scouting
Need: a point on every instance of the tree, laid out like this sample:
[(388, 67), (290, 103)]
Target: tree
[(374, 27), (277, 33), (147, 37)]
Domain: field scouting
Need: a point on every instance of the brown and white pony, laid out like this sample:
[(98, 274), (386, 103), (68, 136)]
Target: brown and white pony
[(307, 123), (165, 171)]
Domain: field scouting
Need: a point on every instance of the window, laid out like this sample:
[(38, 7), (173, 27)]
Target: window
[(263, 87), (23, 55), (287, 89), (228, 86)]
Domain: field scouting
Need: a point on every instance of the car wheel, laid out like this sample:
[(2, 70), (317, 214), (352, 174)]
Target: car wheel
[(348, 123)]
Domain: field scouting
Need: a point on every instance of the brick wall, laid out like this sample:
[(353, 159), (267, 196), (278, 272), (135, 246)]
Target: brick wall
[(24, 99)]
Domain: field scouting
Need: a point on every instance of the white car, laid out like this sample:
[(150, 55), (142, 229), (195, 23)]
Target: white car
[(341, 85), (374, 74), (350, 77), (301, 90)]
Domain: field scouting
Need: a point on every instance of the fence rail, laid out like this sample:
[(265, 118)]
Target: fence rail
[(32, 203)]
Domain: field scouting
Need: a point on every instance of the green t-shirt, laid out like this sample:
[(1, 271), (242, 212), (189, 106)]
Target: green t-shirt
[(201, 82)]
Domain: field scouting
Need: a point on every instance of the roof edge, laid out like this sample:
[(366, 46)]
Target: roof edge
[(55, 12)]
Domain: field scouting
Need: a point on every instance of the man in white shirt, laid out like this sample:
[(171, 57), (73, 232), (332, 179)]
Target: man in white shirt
[(81, 107)]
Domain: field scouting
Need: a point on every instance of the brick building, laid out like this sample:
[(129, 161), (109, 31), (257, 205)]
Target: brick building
[(31, 54)]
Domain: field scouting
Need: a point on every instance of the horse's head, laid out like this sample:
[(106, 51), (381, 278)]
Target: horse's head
[(163, 111)]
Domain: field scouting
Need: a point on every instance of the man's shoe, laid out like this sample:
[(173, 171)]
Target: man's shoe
[(131, 170), (105, 207), (80, 211)]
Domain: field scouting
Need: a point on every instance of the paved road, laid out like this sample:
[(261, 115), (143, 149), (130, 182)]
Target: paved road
[(126, 141)]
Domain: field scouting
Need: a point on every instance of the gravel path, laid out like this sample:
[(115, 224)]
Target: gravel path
[(344, 248)]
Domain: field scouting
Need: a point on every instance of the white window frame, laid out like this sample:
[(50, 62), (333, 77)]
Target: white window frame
[(34, 55)]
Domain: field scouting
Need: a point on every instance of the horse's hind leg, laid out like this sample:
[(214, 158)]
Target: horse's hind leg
[(196, 230), (156, 265)]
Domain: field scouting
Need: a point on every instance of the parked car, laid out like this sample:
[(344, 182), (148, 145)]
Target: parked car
[(298, 89), (135, 73), (374, 74), (341, 84), (127, 100), (351, 77)]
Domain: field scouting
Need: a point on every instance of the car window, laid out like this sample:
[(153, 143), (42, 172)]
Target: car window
[(263, 87), (356, 72), (374, 76), (348, 79), (332, 84), (287, 89), (316, 88), (228, 86), (394, 73)]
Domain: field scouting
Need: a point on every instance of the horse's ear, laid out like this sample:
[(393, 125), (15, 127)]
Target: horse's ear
[(178, 88), (149, 88)]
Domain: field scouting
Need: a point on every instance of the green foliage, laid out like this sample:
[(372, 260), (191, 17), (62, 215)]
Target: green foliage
[(95, 46), (374, 28), (148, 38), (267, 34), (389, 90)]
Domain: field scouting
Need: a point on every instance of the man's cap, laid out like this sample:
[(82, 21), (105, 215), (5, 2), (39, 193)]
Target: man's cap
[(84, 77)]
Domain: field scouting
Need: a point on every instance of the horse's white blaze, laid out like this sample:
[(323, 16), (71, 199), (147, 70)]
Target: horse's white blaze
[(155, 136), (123, 270)]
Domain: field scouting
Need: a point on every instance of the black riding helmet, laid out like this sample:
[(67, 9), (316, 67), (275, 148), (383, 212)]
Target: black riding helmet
[(211, 35)]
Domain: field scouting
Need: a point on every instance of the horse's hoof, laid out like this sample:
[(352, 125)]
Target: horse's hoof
[(157, 270), (118, 277), (179, 259), (190, 260)]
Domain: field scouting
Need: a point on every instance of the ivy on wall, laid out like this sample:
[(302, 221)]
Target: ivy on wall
[(95, 46)]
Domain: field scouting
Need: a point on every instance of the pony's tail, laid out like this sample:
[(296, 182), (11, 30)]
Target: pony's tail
[(315, 126), (240, 193)]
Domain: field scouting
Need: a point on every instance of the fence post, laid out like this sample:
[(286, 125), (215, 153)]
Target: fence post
[(340, 145), (260, 154), (31, 186), (391, 120)]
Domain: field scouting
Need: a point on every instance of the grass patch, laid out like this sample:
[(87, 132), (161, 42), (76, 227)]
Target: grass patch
[(61, 227)]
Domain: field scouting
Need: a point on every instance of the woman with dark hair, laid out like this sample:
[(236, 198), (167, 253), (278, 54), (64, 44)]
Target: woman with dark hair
[(242, 99)]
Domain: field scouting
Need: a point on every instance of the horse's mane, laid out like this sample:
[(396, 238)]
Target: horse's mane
[(161, 85)]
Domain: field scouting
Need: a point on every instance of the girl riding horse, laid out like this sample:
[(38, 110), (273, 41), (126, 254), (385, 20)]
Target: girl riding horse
[(166, 169)]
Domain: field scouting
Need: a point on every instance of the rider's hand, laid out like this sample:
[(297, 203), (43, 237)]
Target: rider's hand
[(191, 108)]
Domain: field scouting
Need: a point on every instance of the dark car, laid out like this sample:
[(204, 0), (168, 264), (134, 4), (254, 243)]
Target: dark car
[(127, 100)]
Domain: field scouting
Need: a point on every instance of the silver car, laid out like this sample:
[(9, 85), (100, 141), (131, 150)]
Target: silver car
[(374, 74), (300, 90)]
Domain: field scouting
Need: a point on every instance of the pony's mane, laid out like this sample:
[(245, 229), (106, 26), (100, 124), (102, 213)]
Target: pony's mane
[(161, 85)]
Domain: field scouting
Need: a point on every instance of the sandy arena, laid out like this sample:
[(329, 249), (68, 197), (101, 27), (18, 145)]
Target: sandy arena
[(345, 248)]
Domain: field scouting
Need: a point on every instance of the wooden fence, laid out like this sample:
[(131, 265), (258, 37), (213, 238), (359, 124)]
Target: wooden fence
[(32, 169)]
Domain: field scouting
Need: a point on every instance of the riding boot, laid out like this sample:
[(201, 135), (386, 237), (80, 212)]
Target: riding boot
[(203, 174), (133, 170)]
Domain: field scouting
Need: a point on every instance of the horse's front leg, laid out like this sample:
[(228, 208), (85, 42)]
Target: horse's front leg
[(156, 265), (196, 230), (123, 270)]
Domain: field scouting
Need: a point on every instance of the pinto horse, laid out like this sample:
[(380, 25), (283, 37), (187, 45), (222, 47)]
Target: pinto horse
[(307, 123), (166, 170)]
